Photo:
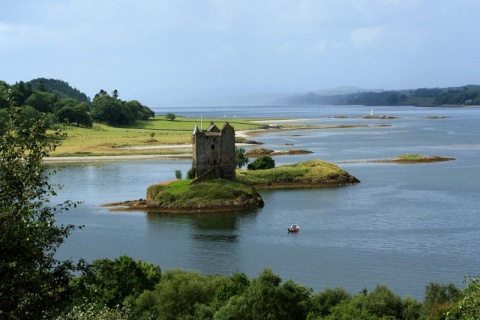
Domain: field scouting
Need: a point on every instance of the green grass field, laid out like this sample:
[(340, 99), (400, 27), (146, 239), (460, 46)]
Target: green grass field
[(105, 140)]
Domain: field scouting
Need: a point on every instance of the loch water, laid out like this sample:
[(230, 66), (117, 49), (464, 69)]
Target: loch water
[(403, 225)]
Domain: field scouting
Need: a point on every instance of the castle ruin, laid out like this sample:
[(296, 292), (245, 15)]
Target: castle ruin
[(214, 152)]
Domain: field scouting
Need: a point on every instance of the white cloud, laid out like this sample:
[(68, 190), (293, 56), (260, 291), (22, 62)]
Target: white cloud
[(366, 37)]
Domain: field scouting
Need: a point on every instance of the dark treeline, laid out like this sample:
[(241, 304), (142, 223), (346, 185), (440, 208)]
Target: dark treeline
[(63, 104), (462, 96)]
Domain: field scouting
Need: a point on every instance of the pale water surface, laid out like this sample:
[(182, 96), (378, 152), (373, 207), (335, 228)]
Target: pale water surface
[(403, 225)]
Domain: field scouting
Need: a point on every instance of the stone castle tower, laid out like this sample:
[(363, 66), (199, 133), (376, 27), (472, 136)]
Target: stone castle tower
[(214, 152)]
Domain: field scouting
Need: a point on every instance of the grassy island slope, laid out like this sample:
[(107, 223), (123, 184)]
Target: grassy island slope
[(214, 195), (308, 174)]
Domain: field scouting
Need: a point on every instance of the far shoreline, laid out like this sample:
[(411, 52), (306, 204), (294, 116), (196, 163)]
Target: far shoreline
[(187, 147)]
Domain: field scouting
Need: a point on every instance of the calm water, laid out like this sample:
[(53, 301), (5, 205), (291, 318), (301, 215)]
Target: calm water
[(403, 225)]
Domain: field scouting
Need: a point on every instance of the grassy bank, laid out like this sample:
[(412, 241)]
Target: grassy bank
[(101, 140)]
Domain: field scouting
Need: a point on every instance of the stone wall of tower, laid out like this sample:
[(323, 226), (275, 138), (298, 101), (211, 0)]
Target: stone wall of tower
[(214, 152), (227, 165)]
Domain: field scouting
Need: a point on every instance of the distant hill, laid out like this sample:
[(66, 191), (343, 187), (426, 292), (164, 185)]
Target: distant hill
[(464, 95), (59, 88)]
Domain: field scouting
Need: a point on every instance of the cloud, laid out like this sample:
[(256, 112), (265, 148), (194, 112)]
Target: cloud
[(203, 46), (365, 37)]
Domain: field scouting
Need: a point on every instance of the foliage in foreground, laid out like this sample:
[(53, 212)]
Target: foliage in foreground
[(179, 294), (33, 283)]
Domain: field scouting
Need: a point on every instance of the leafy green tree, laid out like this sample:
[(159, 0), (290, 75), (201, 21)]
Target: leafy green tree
[(109, 110), (116, 112), (3, 121), (34, 283), (19, 94), (140, 111), (412, 309), (383, 302), (77, 114), (65, 102), (170, 116), (468, 307), (266, 298), (66, 115), (82, 116), (179, 295), (261, 163), (191, 173), (30, 115), (235, 285), (323, 302), (4, 94), (439, 299), (42, 101), (240, 158), (109, 282), (178, 174)]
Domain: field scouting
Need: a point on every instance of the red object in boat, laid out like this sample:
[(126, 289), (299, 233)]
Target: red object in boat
[(294, 228)]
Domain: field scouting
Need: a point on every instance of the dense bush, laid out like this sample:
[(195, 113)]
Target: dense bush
[(109, 282), (260, 163)]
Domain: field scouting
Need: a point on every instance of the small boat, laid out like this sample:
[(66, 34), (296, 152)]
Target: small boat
[(294, 228)]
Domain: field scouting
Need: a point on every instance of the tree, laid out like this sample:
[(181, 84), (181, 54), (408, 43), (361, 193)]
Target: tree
[(170, 116), (178, 174), (266, 298), (191, 173), (3, 121), (439, 299), (109, 282), (116, 112), (179, 295), (240, 158), (42, 101), (34, 284), (263, 162), (109, 110), (82, 116), (323, 302), (66, 115), (468, 307)]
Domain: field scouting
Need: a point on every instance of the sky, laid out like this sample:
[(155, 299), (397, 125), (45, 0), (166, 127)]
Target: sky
[(165, 52)]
